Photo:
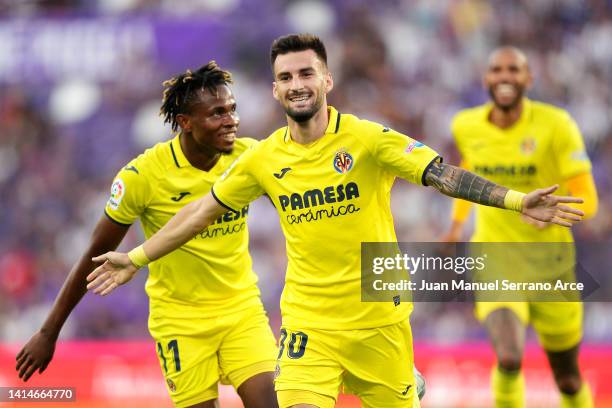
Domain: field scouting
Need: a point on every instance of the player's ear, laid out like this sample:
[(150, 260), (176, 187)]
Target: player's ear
[(275, 91), (184, 121), (329, 82)]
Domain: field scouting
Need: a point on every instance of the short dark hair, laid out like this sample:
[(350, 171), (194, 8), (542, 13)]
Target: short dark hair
[(181, 90), (295, 43)]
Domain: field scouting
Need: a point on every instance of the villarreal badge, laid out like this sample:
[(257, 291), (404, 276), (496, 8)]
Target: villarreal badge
[(171, 385), (528, 145), (343, 162)]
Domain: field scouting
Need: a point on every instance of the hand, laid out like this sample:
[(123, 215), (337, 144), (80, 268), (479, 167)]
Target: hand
[(116, 270), (533, 222), (541, 205), (35, 355)]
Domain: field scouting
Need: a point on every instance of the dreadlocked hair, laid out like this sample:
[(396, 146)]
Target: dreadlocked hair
[(182, 90)]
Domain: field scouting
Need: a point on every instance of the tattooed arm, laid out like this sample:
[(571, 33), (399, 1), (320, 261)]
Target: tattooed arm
[(460, 183), (539, 204)]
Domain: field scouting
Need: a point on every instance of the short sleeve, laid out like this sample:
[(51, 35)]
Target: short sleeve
[(238, 186), (130, 194), (402, 156), (569, 148)]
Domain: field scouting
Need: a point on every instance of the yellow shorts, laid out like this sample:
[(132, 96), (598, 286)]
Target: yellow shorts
[(197, 354), (374, 364), (558, 324)]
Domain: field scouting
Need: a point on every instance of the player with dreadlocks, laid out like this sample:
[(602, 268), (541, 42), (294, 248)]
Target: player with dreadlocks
[(206, 315)]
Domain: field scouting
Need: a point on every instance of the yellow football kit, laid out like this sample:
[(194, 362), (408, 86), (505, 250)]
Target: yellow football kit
[(543, 148), (206, 314), (332, 195)]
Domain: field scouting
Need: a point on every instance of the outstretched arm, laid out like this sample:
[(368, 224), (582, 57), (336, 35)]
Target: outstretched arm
[(118, 268), (38, 351), (539, 204)]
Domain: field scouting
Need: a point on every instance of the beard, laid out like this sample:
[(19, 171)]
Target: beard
[(305, 115), (510, 105)]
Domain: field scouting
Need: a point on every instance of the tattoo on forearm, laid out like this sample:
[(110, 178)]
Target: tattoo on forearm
[(457, 182)]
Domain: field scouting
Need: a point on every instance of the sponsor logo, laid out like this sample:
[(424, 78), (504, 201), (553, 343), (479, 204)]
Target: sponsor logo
[(525, 170), (407, 389), (413, 145), (216, 230), (180, 196), (282, 173), (131, 168), (315, 198), (276, 371), (171, 385), (116, 194), (343, 162)]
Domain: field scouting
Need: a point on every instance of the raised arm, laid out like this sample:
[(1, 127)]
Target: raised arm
[(118, 268), (539, 204), (38, 351)]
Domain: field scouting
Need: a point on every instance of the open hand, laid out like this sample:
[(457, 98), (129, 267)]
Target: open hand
[(543, 206), (116, 270)]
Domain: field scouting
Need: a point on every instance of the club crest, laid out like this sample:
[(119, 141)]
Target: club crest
[(528, 145), (343, 162)]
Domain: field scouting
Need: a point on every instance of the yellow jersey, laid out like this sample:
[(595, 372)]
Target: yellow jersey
[(544, 147), (213, 271), (331, 195)]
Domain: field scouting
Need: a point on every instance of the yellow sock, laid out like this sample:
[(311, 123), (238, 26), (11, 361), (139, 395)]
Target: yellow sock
[(508, 388), (581, 399)]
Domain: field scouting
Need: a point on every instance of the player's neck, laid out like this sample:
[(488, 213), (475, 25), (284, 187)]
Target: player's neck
[(203, 159), (310, 130), (505, 118)]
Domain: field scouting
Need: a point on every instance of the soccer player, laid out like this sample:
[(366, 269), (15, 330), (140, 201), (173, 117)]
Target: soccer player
[(206, 315), (329, 174), (524, 144)]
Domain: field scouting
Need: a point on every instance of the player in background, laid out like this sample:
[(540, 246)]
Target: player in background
[(524, 144), (206, 315), (329, 175)]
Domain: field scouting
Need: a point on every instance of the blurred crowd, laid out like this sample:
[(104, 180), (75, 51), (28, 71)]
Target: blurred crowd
[(410, 64)]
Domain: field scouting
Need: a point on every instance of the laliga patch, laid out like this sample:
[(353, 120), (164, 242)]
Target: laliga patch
[(226, 172), (413, 145), (580, 155), (343, 162), (116, 194)]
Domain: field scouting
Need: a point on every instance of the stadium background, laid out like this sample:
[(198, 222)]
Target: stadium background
[(80, 87)]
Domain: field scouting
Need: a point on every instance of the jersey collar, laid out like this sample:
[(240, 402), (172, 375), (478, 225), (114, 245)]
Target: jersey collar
[(525, 114), (177, 152), (333, 124)]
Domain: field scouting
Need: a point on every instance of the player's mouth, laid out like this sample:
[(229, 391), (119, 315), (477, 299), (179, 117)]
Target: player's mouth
[(228, 137), (300, 99), (505, 91)]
